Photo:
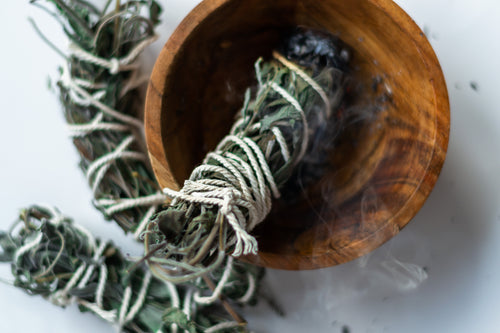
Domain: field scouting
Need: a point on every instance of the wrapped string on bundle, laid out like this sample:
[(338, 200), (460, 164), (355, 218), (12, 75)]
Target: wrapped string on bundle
[(231, 192), (55, 258)]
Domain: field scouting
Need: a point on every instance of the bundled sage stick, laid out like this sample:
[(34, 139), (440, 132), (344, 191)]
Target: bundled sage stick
[(100, 91), (61, 261), (298, 91)]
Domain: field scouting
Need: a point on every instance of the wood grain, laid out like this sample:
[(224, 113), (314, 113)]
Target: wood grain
[(381, 171)]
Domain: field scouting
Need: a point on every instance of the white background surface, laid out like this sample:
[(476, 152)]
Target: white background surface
[(456, 235)]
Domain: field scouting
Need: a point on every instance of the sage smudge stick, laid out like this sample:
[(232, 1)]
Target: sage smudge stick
[(100, 91), (232, 191), (55, 258)]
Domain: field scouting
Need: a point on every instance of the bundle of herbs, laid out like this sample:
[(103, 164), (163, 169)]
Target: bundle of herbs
[(101, 91), (61, 261), (289, 119)]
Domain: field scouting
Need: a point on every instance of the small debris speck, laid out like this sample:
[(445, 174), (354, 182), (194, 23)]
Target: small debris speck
[(346, 329), (474, 85), (427, 30)]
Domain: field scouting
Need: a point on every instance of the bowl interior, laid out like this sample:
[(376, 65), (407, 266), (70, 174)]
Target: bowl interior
[(382, 169)]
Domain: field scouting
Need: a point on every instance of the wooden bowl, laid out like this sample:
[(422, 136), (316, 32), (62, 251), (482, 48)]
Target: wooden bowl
[(381, 173)]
